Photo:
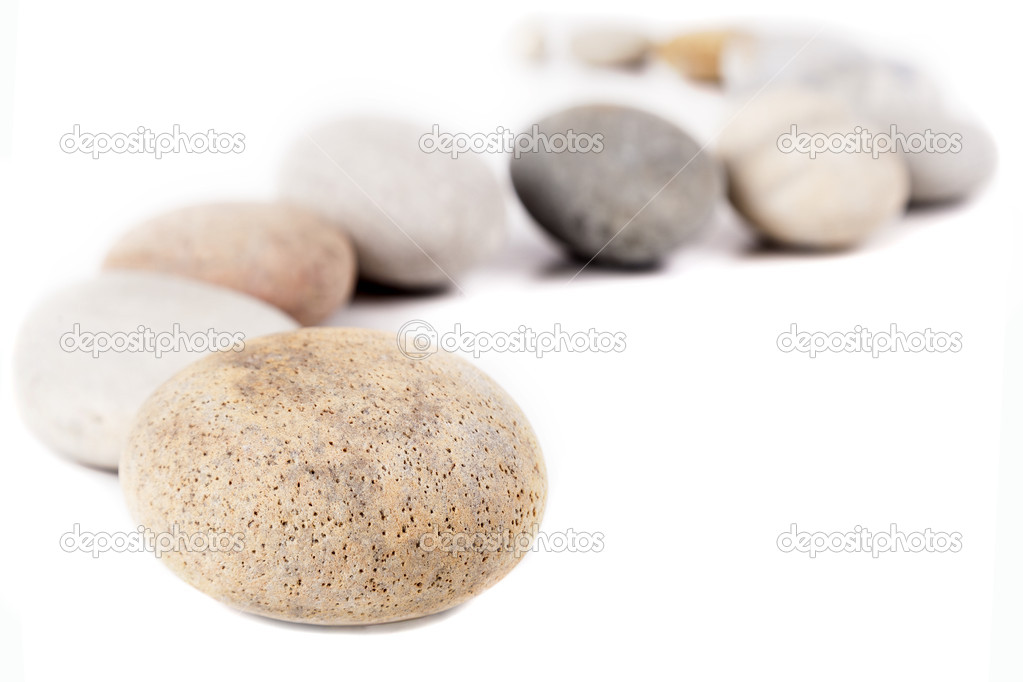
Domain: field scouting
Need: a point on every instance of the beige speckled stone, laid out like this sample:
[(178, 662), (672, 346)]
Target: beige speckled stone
[(281, 254), (334, 455)]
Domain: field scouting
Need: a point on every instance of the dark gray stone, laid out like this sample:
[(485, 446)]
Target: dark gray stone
[(646, 191)]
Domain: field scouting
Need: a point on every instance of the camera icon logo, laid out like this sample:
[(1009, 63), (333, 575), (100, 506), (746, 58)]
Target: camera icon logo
[(417, 340)]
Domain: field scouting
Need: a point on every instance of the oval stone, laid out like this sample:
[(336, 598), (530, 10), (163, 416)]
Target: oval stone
[(643, 188), (832, 200), (946, 176), (79, 399), (418, 217), (284, 255), (697, 55), (903, 104), (350, 474), (890, 98)]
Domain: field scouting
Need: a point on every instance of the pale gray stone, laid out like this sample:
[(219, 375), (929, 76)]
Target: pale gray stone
[(418, 219), (82, 404)]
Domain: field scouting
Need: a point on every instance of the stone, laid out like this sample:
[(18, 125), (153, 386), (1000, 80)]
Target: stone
[(939, 177), (772, 114), (418, 219), (834, 200), (882, 93), (81, 402), (610, 46), (287, 256), (885, 92), (753, 61), (344, 467), (644, 187), (899, 101), (697, 55)]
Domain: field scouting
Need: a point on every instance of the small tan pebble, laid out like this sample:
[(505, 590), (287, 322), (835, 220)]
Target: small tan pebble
[(697, 55), (832, 200), (345, 467), (610, 46), (281, 254)]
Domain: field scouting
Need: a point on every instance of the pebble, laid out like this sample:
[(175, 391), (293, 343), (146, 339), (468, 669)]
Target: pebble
[(757, 60), (697, 55), (891, 94), (284, 255), (344, 465), (832, 201), (772, 114), (649, 189), (610, 47), (82, 406), (418, 220), (884, 93), (938, 177)]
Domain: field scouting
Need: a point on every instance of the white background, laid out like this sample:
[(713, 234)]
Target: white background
[(690, 451)]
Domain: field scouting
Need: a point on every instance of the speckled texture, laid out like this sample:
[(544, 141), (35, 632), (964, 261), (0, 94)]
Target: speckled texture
[(284, 255), (83, 406), (649, 189), (418, 220), (334, 454)]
